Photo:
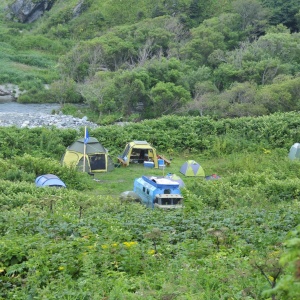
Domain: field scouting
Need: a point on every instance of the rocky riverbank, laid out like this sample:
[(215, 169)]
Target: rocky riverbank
[(22, 120)]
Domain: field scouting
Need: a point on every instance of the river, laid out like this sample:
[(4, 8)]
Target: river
[(39, 115), (14, 107)]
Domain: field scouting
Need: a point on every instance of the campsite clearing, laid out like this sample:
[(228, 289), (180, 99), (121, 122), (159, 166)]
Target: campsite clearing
[(122, 179)]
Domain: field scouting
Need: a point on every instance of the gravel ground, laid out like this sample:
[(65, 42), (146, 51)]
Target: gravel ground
[(32, 120)]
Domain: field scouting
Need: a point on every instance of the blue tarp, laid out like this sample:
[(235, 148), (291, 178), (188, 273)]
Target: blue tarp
[(49, 180)]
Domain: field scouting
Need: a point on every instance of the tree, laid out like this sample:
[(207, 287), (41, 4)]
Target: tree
[(218, 33), (200, 10), (253, 16), (132, 90), (166, 70), (240, 100), (65, 91), (279, 96), (192, 78), (203, 42), (203, 92), (167, 98), (282, 45), (283, 12), (240, 93), (74, 64), (225, 74), (92, 91)]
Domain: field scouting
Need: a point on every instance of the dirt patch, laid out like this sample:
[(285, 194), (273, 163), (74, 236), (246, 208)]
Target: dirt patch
[(100, 180)]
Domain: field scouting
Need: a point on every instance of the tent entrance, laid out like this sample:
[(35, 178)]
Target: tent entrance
[(141, 155), (97, 162)]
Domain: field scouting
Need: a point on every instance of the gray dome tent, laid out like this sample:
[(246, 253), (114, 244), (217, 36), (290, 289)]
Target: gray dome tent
[(295, 151), (95, 155), (175, 178), (49, 180)]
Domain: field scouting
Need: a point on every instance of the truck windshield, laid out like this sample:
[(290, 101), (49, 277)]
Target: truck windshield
[(168, 201)]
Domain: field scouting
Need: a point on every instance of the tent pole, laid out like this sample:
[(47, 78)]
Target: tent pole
[(84, 150)]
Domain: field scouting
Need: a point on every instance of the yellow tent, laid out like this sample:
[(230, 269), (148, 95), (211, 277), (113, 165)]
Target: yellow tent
[(138, 152), (95, 155)]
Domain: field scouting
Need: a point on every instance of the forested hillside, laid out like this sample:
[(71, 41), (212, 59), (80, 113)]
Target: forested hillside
[(145, 59)]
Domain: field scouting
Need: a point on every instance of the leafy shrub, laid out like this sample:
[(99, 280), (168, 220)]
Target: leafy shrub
[(288, 287), (278, 190), (39, 42), (24, 98), (18, 175), (33, 60)]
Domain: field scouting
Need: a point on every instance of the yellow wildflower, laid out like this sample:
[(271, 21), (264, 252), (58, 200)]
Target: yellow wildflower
[(151, 252), (61, 268), (129, 244), (274, 253)]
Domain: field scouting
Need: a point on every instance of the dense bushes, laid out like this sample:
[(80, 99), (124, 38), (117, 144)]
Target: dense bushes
[(194, 134), (170, 133), (53, 253), (52, 141)]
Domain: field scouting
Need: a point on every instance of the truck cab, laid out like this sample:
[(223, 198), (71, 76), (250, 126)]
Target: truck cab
[(158, 192), (168, 201)]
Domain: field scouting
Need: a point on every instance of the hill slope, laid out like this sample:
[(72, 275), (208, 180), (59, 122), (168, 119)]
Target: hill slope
[(146, 59)]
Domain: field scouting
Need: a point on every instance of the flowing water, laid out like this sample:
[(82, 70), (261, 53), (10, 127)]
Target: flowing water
[(6, 105)]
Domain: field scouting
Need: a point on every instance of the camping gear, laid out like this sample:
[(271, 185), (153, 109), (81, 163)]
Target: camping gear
[(167, 162), (49, 180), (192, 168), (88, 156), (149, 164), (212, 177), (295, 151), (176, 178), (138, 152), (161, 164)]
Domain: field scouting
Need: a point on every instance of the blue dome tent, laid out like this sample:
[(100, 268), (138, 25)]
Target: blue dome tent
[(49, 180)]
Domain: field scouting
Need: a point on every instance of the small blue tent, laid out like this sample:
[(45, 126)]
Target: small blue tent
[(49, 180)]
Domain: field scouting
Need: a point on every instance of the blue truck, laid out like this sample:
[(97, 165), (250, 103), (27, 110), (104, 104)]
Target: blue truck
[(158, 192)]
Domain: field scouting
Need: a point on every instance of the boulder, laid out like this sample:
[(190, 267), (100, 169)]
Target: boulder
[(7, 94), (28, 11), (4, 93)]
